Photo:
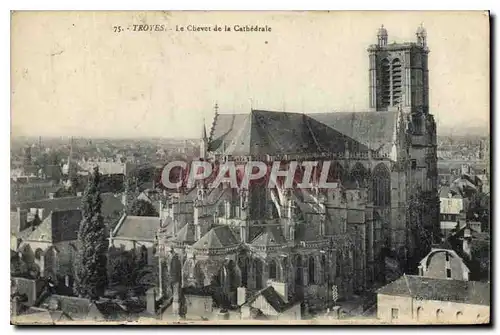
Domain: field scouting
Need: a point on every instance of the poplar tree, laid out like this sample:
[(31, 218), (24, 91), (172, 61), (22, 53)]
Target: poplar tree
[(91, 261)]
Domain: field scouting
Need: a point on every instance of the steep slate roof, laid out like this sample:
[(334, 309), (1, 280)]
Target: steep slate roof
[(142, 228), (218, 237), (272, 133), (271, 236), (186, 234), (469, 292), (212, 196), (82, 309), (226, 126), (373, 129), (444, 192)]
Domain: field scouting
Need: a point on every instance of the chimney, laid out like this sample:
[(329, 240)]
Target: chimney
[(281, 288), (241, 295)]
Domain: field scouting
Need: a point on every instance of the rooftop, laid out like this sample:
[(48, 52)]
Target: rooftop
[(142, 228), (468, 292), (271, 133)]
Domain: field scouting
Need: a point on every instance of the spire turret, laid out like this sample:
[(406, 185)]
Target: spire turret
[(203, 141), (421, 35), (382, 36)]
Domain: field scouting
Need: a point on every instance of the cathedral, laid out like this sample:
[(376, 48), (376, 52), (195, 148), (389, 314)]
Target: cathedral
[(308, 243)]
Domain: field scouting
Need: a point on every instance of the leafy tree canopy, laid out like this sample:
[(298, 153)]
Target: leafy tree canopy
[(142, 207)]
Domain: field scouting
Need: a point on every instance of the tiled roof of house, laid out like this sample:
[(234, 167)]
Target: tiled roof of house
[(446, 191), (58, 226), (217, 238), (138, 228), (272, 298), (468, 292), (83, 309), (110, 204)]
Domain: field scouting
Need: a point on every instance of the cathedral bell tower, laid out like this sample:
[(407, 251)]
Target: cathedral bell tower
[(399, 75)]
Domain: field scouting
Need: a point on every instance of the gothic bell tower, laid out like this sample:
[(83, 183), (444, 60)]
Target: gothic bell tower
[(399, 75)]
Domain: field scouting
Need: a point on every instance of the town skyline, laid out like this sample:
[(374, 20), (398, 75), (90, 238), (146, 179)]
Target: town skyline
[(151, 86)]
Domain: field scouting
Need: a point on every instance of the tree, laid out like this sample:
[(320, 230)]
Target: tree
[(130, 272), (91, 260), (121, 266), (479, 209), (143, 208)]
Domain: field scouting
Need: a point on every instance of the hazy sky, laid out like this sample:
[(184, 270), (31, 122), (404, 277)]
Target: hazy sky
[(73, 75)]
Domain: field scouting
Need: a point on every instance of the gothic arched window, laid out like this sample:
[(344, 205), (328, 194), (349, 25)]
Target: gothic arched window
[(234, 275), (338, 265), (324, 267), (336, 173), (312, 271), (299, 277), (272, 270), (357, 176), (175, 269), (243, 264), (38, 254), (381, 186), (144, 254), (396, 82)]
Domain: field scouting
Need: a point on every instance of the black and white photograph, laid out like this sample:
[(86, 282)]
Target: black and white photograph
[(250, 168)]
